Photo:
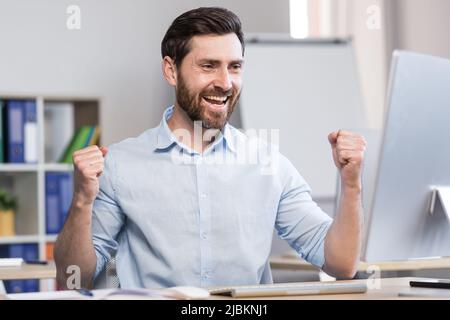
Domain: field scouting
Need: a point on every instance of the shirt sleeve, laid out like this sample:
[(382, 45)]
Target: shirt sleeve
[(300, 221), (107, 217)]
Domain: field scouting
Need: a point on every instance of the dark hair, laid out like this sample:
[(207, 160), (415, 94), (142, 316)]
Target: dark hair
[(200, 21)]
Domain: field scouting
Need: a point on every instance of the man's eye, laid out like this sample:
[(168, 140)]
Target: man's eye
[(237, 66), (207, 66)]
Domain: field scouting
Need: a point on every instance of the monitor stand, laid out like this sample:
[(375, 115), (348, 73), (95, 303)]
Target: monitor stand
[(440, 194)]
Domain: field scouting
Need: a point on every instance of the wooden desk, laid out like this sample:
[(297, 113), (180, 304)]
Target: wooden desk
[(388, 289), (29, 271), (289, 262)]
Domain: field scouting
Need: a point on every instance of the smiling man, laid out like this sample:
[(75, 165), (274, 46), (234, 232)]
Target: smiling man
[(208, 83), (203, 222)]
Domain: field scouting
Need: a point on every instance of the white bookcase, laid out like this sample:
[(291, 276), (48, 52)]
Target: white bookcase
[(27, 181)]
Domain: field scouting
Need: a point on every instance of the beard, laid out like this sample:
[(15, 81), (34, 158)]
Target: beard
[(194, 105)]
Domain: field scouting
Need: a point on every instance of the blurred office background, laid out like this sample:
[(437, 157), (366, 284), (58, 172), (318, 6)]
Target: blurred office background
[(115, 55)]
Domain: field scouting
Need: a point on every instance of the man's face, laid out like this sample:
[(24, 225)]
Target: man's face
[(209, 79)]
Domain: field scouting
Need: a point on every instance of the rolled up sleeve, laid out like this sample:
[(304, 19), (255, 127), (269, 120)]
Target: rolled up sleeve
[(107, 216), (300, 221)]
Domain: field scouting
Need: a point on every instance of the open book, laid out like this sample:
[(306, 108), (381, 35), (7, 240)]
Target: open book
[(181, 292), (172, 293)]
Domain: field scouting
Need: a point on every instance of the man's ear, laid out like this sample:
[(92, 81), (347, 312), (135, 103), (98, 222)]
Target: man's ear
[(169, 70)]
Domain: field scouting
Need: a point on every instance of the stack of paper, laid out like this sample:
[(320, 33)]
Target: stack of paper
[(11, 262), (173, 293)]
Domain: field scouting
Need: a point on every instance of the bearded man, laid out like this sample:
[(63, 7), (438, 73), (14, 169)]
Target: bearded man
[(203, 222)]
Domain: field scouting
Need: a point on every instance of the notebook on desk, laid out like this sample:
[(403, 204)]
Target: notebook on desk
[(291, 289)]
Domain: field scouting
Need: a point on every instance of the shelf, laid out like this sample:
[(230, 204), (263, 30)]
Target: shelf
[(51, 238), (58, 118), (29, 271), (18, 167), (19, 239), (60, 167)]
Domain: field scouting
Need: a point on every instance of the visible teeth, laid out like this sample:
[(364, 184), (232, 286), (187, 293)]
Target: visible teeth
[(216, 98)]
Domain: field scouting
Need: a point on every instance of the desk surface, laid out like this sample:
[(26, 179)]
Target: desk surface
[(291, 262), (384, 289), (28, 271)]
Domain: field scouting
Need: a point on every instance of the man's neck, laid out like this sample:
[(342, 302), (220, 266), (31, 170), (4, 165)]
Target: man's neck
[(180, 124)]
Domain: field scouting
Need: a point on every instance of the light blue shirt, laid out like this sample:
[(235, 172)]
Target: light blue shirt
[(174, 217)]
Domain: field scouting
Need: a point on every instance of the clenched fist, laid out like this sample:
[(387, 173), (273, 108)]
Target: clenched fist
[(348, 154), (89, 164)]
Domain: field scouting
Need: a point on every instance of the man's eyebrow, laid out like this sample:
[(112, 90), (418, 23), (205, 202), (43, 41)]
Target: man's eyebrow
[(209, 61), (216, 62), (238, 61)]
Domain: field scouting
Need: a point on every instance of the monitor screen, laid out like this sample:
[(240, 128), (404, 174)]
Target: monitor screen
[(414, 158)]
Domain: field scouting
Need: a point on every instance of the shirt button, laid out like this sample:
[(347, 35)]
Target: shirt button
[(204, 235), (205, 276), (203, 195)]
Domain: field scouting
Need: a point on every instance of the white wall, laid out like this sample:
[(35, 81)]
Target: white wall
[(415, 25), (370, 49), (115, 55), (423, 26)]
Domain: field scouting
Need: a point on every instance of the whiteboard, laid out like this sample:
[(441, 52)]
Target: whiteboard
[(306, 89)]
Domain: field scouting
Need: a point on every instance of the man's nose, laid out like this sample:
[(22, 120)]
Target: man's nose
[(223, 80)]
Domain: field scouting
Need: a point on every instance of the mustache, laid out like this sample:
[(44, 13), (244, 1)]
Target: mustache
[(227, 93)]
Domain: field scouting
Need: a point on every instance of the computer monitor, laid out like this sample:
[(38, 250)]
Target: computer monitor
[(414, 160)]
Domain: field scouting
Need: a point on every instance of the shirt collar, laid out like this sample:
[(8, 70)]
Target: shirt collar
[(229, 138), (166, 140)]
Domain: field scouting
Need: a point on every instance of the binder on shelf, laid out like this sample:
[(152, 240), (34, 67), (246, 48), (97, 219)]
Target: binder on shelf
[(30, 252), (58, 198), (2, 127), (52, 215), (65, 188), (14, 117), (30, 132), (10, 251)]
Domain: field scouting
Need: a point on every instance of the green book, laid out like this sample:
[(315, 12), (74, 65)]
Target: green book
[(78, 142), (91, 133), (95, 136)]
